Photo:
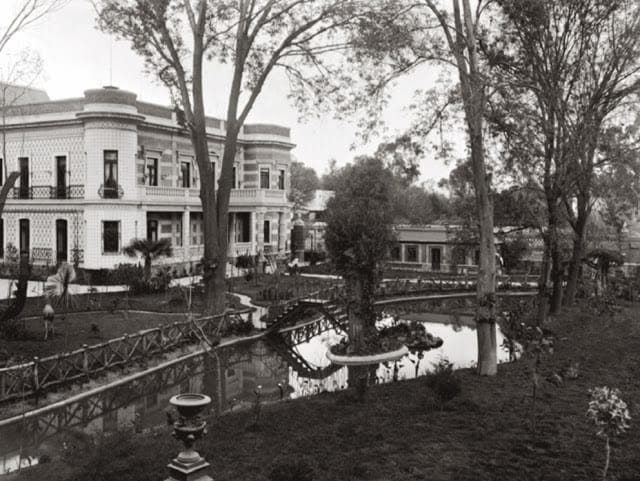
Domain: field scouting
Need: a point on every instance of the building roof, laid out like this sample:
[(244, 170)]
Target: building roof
[(34, 102), (19, 95)]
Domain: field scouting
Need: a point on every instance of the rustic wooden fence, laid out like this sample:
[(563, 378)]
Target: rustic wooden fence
[(40, 375)]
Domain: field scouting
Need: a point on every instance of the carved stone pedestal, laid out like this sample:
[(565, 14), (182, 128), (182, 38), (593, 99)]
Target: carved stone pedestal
[(188, 428)]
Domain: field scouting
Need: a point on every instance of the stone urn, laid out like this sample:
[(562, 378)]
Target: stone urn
[(189, 427)]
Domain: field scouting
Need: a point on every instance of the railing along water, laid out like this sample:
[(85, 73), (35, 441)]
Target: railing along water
[(35, 377)]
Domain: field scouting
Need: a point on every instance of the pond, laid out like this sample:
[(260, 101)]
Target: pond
[(278, 368)]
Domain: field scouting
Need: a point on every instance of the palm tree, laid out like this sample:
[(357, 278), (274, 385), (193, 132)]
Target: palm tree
[(57, 287), (149, 250)]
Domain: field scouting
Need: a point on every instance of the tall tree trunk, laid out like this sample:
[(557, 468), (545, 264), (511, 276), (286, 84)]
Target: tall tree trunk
[(485, 291), (16, 304), (576, 255), (473, 97), (543, 282), (557, 276), (360, 311)]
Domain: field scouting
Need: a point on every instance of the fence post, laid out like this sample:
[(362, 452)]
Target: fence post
[(85, 359), (160, 338), (36, 381)]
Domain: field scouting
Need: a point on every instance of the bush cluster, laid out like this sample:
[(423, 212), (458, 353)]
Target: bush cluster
[(443, 382), (133, 277), (314, 257)]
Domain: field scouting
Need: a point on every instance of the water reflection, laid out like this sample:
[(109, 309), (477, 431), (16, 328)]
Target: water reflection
[(230, 377)]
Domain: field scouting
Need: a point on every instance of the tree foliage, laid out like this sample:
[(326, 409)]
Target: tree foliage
[(359, 223), (254, 38), (304, 183), (359, 236), (563, 69)]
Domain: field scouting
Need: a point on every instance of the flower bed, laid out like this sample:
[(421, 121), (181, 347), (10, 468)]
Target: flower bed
[(387, 344)]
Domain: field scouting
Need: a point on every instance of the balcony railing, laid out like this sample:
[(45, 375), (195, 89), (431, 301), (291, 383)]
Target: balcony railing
[(49, 192), (196, 251), (238, 196)]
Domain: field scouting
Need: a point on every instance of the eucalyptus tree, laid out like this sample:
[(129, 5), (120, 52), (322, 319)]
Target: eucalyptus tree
[(564, 69), (254, 38), (412, 34)]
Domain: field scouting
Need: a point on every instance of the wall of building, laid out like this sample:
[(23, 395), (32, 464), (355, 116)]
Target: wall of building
[(41, 146), (133, 224), (112, 120)]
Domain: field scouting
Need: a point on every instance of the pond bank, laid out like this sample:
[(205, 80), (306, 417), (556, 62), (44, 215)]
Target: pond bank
[(398, 433)]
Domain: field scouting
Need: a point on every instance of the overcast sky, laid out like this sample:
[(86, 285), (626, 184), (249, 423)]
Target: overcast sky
[(78, 57)]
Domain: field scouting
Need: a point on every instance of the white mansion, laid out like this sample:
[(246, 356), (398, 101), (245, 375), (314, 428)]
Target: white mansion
[(100, 170)]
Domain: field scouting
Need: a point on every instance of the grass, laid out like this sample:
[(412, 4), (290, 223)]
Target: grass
[(400, 434), (96, 318), (75, 329), (74, 326)]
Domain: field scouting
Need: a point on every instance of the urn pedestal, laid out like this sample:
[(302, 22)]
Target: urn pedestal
[(189, 428)]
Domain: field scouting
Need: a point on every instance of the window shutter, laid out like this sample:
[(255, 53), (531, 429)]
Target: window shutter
[(166, 169), (196, 176)]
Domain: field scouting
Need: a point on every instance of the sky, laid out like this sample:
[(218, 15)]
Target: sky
[(78, 57)]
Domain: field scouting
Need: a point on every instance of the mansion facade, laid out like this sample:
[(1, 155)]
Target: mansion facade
[(100, 170)]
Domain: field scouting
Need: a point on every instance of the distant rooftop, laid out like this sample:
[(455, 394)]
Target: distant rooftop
[(20, 95)]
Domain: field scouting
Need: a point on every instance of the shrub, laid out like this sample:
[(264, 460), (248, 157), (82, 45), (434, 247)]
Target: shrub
[(443, 382), (609, 413), (291, 470), (244, 261), (313, 257), (133, 276), (126, 274), (11, 253)]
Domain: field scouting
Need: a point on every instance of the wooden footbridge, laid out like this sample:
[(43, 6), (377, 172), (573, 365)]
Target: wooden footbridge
[(324, 310)]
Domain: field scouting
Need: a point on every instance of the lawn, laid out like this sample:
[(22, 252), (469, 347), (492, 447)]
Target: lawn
[(75, 329), (398, 433), (93, 319)]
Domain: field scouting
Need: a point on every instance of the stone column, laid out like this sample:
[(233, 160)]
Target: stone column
[(282, 232), (186, 234), (260, 226), (252, 233)]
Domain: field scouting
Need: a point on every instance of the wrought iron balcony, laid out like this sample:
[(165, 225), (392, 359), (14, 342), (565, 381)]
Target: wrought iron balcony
[(111, 191), (49, 192)]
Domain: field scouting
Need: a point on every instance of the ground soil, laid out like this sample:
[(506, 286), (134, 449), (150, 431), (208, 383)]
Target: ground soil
[(400, 433)]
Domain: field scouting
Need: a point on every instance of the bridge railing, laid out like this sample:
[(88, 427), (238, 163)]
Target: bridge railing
[(434, 282), (323, 295), (39, 375)]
